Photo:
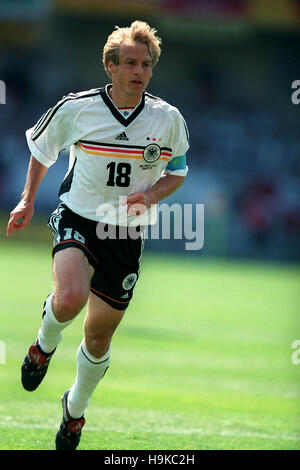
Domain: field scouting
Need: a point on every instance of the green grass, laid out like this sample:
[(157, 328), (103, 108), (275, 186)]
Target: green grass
[(201, 360)]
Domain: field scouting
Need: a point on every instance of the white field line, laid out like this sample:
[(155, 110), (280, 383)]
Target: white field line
[(164, 430)]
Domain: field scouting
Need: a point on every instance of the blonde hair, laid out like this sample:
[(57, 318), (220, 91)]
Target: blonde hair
[(139, 31)]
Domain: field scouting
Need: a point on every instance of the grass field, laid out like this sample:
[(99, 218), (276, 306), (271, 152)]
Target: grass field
[(202, 359)]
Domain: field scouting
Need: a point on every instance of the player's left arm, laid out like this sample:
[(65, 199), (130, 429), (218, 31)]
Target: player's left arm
[(164, 187)]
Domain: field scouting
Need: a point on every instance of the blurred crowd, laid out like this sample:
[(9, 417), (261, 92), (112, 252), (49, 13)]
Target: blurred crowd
[(244, 160)]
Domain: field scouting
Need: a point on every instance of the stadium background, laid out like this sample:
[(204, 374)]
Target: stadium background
[(228, 65)]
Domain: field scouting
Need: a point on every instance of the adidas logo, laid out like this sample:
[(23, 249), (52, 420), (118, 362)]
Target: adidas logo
[(122, 136), (125, 296)]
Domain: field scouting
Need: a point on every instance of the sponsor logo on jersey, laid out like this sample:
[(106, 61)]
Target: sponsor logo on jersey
[(151, 153)]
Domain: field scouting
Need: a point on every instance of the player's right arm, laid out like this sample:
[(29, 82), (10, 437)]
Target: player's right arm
[(22, 214), (52, 133)]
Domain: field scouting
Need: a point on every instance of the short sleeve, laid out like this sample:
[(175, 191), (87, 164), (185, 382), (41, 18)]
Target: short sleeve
[(180, 135), (180, 145), (53, 132)]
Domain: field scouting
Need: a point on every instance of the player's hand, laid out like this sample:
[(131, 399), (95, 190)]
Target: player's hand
[(20, 217), (138, 203)]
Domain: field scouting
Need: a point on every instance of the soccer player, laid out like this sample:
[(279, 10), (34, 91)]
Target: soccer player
[(127, 152)]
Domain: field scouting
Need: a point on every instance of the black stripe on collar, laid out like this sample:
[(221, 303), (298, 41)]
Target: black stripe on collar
[(115, 112)]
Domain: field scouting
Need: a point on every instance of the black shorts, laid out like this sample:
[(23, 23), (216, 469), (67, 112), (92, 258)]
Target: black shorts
[(115, 260)]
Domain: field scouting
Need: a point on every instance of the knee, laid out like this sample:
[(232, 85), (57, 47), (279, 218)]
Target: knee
[(97, 345), (68, 304)]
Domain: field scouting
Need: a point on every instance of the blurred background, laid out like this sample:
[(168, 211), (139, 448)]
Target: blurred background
[(228, 65)]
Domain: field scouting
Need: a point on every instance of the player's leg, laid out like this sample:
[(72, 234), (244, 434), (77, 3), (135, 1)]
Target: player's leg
[(93, 355), (112, 286), (71, 276), (93, 358)]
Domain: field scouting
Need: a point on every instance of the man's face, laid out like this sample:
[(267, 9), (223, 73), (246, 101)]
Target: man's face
[(132, 75)]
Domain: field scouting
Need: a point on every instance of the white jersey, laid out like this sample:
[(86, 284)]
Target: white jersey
[(112, 153)]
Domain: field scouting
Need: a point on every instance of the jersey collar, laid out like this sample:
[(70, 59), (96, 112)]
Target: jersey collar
[(114, 110)]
